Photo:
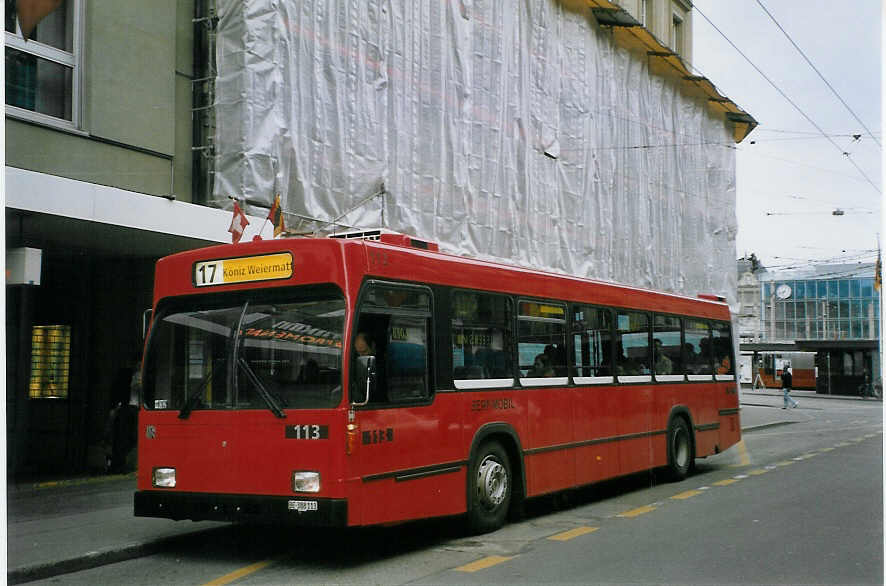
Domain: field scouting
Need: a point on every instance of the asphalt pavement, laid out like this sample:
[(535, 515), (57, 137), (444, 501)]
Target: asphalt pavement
[(74, 524)]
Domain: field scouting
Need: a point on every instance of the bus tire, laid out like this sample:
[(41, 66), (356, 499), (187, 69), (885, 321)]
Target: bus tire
[(680, 452), (490, 487)]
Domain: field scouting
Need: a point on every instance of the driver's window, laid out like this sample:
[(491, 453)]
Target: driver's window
[(394, 326)]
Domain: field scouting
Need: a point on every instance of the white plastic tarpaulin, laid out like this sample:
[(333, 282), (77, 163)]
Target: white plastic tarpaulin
[(506, 130)]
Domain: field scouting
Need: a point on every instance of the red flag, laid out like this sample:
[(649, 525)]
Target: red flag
[(238, 224), (276, 217)]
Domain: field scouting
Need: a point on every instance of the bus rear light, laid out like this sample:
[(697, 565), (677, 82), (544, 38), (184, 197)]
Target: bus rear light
[(303, 481), (163, 477)]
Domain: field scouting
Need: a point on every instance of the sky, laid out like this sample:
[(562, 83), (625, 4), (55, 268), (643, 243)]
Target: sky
[(791, 171)]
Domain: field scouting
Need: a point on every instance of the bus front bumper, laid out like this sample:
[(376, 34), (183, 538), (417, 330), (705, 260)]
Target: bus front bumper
[(313, 512)]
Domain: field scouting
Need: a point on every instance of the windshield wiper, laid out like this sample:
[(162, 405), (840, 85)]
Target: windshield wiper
[(256, 382), (197, 397)]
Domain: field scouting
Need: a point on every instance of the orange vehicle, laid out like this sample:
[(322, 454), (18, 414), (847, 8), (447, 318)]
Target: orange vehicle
[(359, 381)]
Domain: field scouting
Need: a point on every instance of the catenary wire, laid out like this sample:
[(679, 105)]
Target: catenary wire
[(790, 101), (799, 50)]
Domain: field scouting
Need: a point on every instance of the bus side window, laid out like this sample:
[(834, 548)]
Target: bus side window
[(396, 319), (722, 344), (667, 347), (406, 359), (697, 348), (592, 344), (632, 354), (481, 334)]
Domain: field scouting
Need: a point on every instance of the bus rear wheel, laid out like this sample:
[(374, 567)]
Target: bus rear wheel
[(490, 487), (680, 454)]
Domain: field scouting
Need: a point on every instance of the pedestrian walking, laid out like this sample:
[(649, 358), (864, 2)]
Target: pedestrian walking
[(787, 380)]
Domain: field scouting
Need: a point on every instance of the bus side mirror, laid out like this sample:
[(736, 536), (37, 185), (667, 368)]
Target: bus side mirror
[(146, 322), (365, 378)]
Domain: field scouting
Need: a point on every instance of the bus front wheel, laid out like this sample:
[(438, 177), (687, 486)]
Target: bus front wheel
[(680, 454), (490, 487)]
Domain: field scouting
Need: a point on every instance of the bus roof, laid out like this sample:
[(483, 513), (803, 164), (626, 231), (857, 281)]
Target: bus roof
[(400, 257)]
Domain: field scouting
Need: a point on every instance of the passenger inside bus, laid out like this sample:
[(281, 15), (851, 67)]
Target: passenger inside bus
[(627, 365), (541, 367), (556, 359), (663, 364)]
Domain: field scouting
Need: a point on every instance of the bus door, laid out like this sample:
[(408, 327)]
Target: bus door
[(398, 457)]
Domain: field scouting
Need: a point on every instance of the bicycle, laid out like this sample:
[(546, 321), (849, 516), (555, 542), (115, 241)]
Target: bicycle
[(873, 390)]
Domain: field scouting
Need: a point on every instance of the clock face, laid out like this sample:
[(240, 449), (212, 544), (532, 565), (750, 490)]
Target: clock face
[(783, 291)]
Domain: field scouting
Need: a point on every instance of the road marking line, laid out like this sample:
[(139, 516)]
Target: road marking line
[(740, 476), (743, 454), (784, 463), (483, 563), (757, 471), (572, 533), (827, 449), (237, 574), (870, 435), (842, 445), (686, 495), (726, 482), (637, 512)]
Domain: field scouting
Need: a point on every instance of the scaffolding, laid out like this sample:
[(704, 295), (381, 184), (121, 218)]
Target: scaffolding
[(205, 24)]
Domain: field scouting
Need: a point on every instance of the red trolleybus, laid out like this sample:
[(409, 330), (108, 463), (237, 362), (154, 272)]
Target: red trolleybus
[(343, 382)]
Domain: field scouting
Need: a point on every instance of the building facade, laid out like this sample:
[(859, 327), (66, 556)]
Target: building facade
[(99, 183), (669, 20)]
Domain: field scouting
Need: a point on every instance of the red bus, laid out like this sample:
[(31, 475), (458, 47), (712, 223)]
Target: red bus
[(358, 381)]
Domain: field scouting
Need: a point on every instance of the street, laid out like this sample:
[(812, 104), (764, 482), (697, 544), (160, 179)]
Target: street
[(799, 501)]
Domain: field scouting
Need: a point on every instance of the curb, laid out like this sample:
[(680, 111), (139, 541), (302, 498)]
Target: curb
[(95, 559), (43, 485), (767, 425)]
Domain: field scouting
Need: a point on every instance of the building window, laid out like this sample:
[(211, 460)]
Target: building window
[(646, 14), (50, 362), (677, 33), (42, 74)]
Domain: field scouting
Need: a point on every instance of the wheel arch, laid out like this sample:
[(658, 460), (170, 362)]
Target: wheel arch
[(507, 436), (682, 412)]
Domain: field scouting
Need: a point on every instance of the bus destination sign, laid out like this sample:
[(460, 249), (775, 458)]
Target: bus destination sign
[(266, 267)]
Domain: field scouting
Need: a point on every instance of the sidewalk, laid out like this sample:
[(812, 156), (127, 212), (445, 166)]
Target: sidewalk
[(75, 524)]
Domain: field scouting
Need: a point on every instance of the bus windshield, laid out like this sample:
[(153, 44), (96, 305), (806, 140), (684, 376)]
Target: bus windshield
[(246, 354)]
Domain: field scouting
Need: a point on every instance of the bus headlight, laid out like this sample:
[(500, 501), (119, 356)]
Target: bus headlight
[(163, 477), (303, 481)]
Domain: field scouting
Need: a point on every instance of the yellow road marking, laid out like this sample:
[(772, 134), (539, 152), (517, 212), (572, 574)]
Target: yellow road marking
[(637, 512), (757, 471), (572, 533), (784, 463), (237, 574), (483, 563), (841, 445), (743, 454), (686, 495), (726, 482)]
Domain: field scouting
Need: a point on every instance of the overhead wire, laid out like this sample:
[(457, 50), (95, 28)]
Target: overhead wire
[(789, 100), (814, 68)]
